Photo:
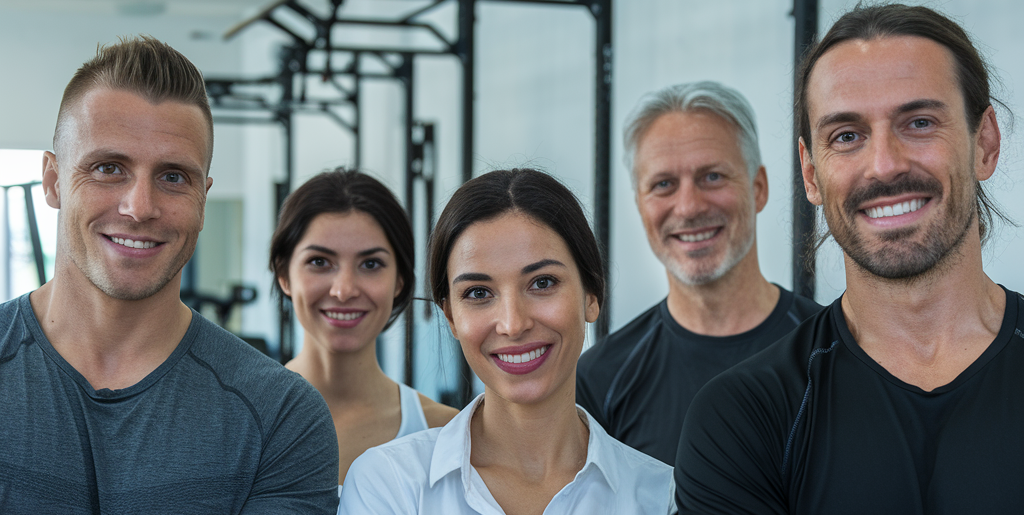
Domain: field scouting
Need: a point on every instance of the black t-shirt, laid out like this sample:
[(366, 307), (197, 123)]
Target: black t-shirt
[(639, 381), (814, 425)]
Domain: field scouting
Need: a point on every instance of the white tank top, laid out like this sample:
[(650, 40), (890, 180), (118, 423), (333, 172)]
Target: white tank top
[(413, 419)]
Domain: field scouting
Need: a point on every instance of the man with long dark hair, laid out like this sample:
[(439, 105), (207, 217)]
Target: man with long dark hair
[(905, 395)]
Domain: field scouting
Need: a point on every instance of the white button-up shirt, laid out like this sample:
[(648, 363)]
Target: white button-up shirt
[(429, 473)]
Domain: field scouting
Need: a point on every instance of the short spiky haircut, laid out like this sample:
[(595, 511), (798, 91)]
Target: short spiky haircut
[(141, 65)]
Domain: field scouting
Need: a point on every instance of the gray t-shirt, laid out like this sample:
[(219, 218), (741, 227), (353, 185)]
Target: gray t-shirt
[(217, 428)]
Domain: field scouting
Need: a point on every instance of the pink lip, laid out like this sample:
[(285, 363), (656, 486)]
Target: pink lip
[(344, 324), (521, 368), (133, 252)]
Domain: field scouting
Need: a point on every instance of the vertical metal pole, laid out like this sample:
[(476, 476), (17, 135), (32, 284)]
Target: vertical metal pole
[(33, 230), (405, 74), (286, 333), (465, 48), (602, 11), (805, 14), (357, 119)]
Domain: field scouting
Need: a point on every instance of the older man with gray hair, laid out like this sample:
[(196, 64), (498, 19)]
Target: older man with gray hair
[(699, 185)]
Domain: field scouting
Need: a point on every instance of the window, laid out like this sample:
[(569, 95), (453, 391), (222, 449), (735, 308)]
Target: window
[(20, 172)]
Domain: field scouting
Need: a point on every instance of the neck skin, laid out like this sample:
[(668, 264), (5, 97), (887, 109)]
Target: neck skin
[(737, 302), (928, 330), (113, 343), (537, 440), (344, 378)]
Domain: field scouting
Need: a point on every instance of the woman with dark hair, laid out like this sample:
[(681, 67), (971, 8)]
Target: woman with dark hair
[(517, 273), (343, 254)]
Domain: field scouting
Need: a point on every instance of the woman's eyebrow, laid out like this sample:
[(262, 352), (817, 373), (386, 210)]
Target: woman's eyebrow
[(321, 249), (374, 250), (471, 277), (528, 269)]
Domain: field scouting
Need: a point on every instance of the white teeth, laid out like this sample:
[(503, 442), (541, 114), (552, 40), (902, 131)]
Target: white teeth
[(343, 316), (697, 237), (895, 209), (523, 358), (128, 242)]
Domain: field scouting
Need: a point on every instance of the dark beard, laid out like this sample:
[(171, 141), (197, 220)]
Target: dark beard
[(898, 257)]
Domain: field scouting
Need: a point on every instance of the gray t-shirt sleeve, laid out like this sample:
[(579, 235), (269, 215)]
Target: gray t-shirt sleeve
[(299, 467)]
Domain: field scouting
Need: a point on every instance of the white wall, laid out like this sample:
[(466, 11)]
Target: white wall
[(534, 107)]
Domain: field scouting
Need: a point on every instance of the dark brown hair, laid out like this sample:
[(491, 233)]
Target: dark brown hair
[(526, 191), (144, 66), (344, 191)]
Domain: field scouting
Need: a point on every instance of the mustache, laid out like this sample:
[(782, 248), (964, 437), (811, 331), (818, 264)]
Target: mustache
[(929, 186)]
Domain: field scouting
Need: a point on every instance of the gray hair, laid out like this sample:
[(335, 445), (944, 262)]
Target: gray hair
[(706, 96)]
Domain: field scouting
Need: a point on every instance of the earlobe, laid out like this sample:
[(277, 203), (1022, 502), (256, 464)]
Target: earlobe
[(283, 283), (808, 170), (51, 187), (592, 309), (987, 141), (447, 309), (760, 188), (399, 284)]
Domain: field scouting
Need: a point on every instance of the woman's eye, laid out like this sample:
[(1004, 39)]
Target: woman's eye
[(372, 264), (543, 283), (318, 262), (476, 293)]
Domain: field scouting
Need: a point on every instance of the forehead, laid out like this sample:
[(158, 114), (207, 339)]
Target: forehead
[(510, 242), (353, 231), (691, 139), (878, 75), (127, 123)]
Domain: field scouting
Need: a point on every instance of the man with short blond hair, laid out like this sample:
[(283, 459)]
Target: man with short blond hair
[(117, 397)]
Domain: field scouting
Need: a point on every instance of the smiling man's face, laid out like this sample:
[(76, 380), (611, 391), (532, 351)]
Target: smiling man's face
[(131, 184), (891, 158), (696, 197)]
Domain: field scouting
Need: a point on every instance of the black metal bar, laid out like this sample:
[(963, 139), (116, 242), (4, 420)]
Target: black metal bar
[(586, 3), (384, 23), (405, 73), (281, 191), (602, 12), (284, 29), (421, 10), (389, 50), (33, 230), (805, 14), (357, 112)]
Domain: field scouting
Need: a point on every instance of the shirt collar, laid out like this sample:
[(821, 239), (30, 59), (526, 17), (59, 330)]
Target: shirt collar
[(599, 452), (452, 450)]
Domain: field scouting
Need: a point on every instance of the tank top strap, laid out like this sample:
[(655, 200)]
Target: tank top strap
[(413, 419)]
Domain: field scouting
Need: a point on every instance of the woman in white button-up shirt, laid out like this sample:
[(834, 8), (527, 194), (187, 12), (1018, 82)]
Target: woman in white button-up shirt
[(517, 272)]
